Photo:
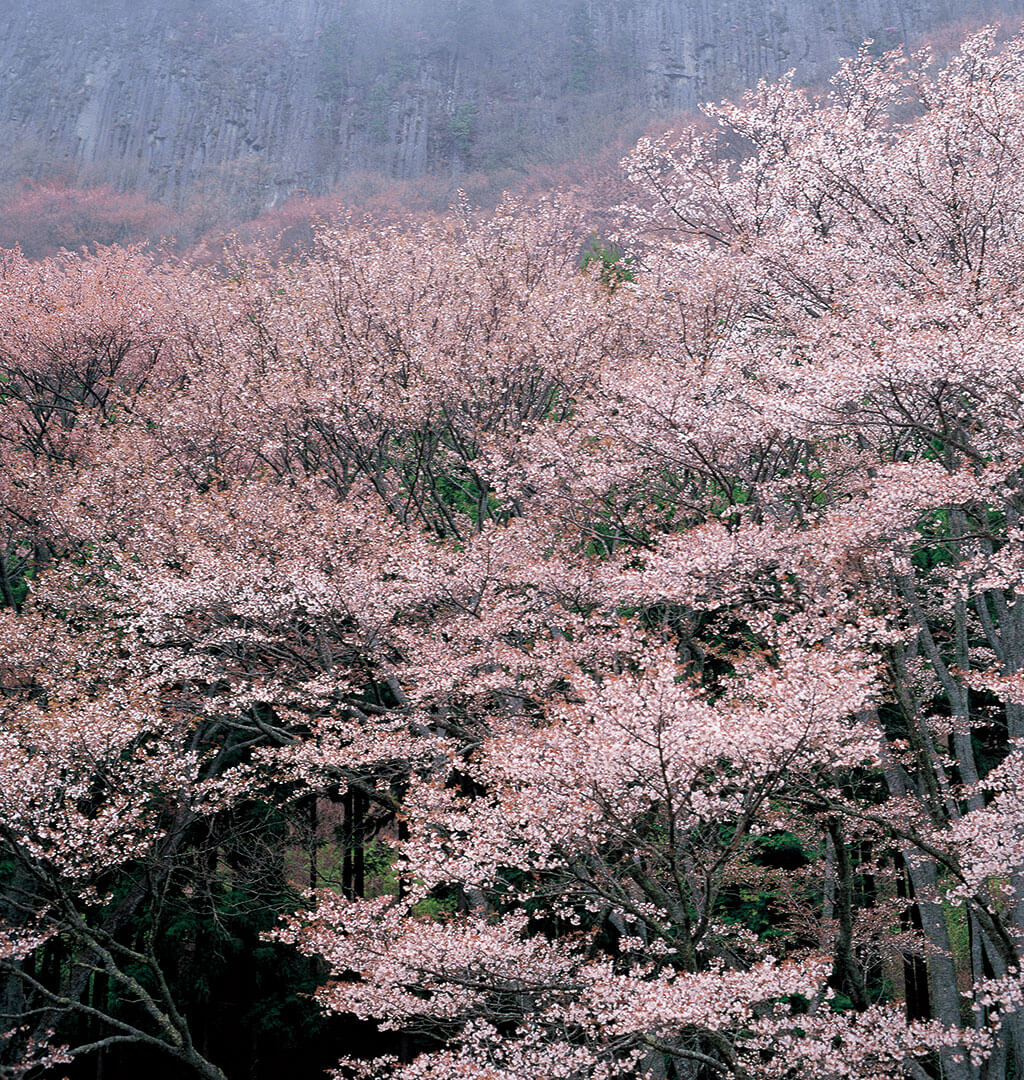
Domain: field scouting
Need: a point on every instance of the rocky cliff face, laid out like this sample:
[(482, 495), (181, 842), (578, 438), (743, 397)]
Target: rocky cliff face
[(267, 97)]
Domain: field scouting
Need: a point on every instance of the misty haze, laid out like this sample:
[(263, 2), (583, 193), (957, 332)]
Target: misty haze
[(219, 110), (512, 540)]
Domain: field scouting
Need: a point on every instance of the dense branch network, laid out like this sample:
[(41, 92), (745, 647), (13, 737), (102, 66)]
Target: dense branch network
[(648, 631)]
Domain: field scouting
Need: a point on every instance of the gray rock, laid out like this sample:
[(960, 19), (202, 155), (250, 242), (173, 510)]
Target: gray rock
[(256, 99)]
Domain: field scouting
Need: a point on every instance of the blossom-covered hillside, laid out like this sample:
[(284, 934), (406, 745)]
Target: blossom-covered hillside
[(431, 657)]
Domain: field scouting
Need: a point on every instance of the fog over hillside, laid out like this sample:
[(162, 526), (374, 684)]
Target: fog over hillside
[(263, 98), (503, 575)]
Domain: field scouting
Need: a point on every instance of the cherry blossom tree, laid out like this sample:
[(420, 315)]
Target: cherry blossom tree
[(665, 636), (803, 458)]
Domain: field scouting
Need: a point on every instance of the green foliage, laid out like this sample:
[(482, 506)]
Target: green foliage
[(379, 869), (755, 901), (613, 264), (460, 127), (432, 907)]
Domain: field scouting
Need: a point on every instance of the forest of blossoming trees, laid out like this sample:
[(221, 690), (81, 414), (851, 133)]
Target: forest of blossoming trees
[(431, 654)]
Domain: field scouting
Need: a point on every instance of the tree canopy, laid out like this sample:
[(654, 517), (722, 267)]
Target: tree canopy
[(579, 672)]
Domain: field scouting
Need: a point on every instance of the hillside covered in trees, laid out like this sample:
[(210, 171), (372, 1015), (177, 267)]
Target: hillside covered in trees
[(428, 657), (252, 101)]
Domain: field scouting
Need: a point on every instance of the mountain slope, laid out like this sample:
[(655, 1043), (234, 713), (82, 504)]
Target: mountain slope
[(261, 98)]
